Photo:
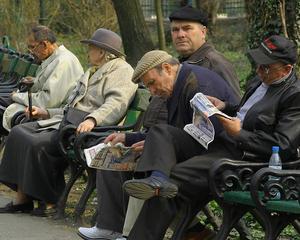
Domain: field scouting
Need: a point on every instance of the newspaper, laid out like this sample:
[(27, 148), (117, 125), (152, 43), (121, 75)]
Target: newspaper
[(114, 158), (202, 128)]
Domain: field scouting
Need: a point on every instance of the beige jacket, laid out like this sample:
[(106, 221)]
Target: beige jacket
[(55, 79), (106, 95)]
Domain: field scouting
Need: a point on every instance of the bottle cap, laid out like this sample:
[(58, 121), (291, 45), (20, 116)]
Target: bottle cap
[(275, 149)]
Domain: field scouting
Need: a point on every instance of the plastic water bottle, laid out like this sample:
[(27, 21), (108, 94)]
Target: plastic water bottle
[(275, 163)]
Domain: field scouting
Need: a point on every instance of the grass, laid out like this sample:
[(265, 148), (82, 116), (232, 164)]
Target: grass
[(256, 231)]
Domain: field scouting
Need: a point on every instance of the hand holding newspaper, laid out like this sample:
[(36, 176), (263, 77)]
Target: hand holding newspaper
[(114, 158), (202, 129)]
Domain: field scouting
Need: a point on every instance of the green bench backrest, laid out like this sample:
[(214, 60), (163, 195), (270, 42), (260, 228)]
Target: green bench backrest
[(1, 56), (32, 70), (137, 106), (22, 67), (9, 63), (5, 41)]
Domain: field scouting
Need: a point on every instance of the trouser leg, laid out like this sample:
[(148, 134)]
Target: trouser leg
[(112, 201), (165, 146), (192, 178)]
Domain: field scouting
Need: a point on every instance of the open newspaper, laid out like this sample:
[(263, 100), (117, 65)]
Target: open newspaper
[(114, 158), (202, 128)]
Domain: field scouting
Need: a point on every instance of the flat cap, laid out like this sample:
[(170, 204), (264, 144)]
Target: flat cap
[(148, 61), (190, 14)]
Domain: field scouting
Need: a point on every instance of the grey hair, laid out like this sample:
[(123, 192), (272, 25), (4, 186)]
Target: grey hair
[(43, 33), (109, 56), (172, 61)]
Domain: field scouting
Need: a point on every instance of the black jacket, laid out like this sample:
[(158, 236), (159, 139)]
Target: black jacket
[(274, 120)]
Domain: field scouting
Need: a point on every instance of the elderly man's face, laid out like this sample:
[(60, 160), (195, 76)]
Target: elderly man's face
[(159, 83), (187, 36), (272, 72), (40, 50), (95, 55)]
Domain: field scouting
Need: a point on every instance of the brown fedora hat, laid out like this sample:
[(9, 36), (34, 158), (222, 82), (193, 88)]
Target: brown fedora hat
[(107, 40)]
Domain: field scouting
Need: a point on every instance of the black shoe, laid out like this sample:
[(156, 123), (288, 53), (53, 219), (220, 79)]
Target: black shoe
[(23, 208), (43, 211), (150, 187)]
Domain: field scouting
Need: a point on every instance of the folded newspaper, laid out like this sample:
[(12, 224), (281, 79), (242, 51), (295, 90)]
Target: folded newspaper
[(202, 128), (114, 158)]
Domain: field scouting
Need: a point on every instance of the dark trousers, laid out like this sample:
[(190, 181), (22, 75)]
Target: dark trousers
[(112, 200), (192, 178), (178, 155), (165, 146)]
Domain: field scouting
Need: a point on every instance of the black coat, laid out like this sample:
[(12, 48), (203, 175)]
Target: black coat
[(272, 121)]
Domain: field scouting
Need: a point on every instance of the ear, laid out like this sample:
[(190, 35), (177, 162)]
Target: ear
[(167, 67), (288, 68)]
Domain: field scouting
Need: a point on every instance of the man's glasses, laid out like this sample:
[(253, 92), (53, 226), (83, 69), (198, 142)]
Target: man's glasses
[(33, 48), (267, 68)]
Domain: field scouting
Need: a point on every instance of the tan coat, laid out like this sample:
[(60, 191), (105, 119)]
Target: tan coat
[(55, 79), (106, 95)]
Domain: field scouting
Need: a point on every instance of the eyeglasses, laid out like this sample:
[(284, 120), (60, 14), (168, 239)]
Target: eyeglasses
[(267, 68), (32, 48)]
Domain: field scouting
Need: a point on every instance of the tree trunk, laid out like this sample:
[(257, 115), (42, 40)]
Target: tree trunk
[(211, 7), (160, 25), (134, 31)]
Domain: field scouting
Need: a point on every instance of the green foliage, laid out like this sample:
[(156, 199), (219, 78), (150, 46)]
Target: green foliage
[(256, 230)]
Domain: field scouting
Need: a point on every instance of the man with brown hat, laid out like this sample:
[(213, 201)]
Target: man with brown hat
[(189, 31), (268, 115), (163, 76)]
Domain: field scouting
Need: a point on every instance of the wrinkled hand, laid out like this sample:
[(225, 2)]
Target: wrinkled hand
[(232, 127), (12, 94), (115, 138), (216, 102), (86, 126), (139, 146), (37, 113)]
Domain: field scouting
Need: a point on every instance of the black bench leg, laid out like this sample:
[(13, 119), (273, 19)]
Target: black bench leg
[(91, 185), (242, 230), (275, 224), (231, 215), (183, 222), (75, 173)]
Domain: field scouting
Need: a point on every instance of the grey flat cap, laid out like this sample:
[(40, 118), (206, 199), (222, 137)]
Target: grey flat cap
[(149, 61)]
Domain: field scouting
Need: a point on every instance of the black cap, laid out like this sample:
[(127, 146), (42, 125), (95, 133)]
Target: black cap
[(275, 49), (190, 14)]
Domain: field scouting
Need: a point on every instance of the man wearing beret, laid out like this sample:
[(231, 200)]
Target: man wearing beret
[(188, 30), (164, 76), (268, 115)]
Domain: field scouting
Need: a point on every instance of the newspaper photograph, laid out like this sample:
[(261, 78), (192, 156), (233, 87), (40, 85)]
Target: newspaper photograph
[(202, 129), (114, 158)]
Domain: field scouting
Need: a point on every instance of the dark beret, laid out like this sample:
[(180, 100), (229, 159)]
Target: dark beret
[(190, 14)]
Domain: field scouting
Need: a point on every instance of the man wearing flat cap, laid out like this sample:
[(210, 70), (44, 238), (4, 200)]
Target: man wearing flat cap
[(268, 115), (188, 30), (164, 76)]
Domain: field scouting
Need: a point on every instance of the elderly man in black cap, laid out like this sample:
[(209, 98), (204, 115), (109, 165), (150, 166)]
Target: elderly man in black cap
[(188, 30), (268, 115)]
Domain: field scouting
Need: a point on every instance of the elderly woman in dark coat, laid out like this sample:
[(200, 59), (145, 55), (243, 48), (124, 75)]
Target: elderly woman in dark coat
[(31, 164)]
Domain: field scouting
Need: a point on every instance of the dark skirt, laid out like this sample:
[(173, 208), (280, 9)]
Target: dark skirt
[(32, 162)]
